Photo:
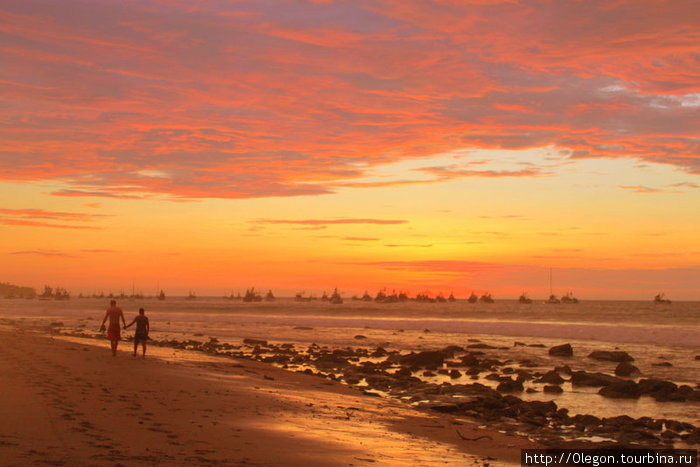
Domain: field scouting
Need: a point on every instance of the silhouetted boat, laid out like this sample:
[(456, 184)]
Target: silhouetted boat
[(552, 300), (381, 296), (252, 296), (524, 299), (269, 297), (451, 298), (661, 298), (473, 298), (300, 297), (486, 298), (161, 295), (335, 298), (191, 296), (569, 298)]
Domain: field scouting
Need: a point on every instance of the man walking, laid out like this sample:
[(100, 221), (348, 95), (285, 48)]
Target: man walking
[(113, 332)]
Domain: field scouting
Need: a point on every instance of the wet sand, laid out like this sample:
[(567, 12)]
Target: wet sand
[(66, 402)]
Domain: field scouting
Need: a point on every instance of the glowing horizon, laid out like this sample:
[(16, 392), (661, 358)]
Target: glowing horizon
[(450, 146)]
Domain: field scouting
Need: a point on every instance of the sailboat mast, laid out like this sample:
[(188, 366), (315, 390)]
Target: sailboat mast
[(550, 281)]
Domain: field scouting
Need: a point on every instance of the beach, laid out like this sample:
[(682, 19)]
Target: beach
[(287, 383), (67, 402)]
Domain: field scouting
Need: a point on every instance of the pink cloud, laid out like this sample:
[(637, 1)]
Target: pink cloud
[(136, 99)]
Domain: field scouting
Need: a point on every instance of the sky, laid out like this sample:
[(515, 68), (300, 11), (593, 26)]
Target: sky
[(441, 146)]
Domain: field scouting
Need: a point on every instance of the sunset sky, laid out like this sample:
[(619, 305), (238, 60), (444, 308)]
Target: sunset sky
[(445, 145)]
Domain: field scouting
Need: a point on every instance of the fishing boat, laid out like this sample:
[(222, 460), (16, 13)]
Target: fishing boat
[(486, 298), (524, 299), (473, 298), (269, 297), (552, 300), (661, 298), (252, 296), (335, 297), (191, 296), (569, 298)]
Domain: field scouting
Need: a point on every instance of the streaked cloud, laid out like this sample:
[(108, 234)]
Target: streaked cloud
[(301, 98), (43, 218), (320, 222), (48, 253)]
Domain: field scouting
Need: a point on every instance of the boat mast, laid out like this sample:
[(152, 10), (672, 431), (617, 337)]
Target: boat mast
[(550, 282)]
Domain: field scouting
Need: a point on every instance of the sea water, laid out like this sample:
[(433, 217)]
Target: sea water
[(664, 339)]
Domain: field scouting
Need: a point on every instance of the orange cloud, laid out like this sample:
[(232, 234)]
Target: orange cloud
[(40, 218), (300, 98), (317, 222)]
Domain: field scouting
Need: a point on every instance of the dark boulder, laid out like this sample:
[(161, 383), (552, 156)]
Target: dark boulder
[(470, 360), (611, 356), (450, 350), (582, 378), (564, 350), (481, 346), (510, 386), (626, 369), (552, 389), (432, 359), (551, 377), (254, 341), (621, 390)]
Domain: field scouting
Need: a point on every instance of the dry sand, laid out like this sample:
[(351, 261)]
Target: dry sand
[(69, 402)]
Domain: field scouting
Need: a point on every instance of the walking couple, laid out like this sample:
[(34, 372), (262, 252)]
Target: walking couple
[(114, 313)]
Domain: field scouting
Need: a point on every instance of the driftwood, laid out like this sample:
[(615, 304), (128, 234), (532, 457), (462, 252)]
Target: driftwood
[(473, 439)]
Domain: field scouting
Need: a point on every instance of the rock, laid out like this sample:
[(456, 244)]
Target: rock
[(611, 356), (470, 360), (621, 390), (582, 378), (428, 374), (663, 364), (510, 386), (564, 350), (566, 369), (697, 357), (360, 336), (551, 389), (303, 328), (692, 438), (380, 352), (626, 369), (254, 341), (423, 359), (649, 386), (352, 380), (481, 346), (449, 351), (551, 377), (454, 374)]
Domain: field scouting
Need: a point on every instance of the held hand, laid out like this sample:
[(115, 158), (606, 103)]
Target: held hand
[(102, 328)]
